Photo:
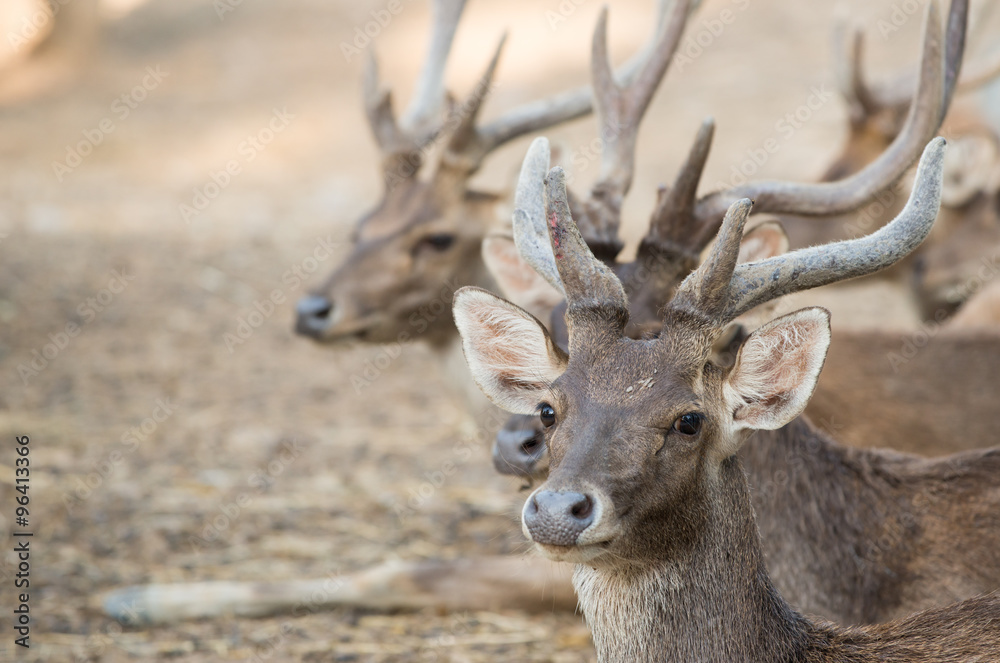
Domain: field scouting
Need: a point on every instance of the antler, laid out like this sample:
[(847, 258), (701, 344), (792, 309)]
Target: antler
[(672, 247), (620, 109), (537, 115), (530, 233), (720, 290), (404, 143), (848, 194), (401, 142), (895, 95), (594, 295), (682, 226)]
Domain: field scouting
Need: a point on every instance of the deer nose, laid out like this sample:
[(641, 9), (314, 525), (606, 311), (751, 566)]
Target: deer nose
[(517, 452), (557, 518), (312, 315)]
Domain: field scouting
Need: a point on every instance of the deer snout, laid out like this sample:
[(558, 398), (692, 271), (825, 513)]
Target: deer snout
[(517, 452), (312, 315), (557, 518)]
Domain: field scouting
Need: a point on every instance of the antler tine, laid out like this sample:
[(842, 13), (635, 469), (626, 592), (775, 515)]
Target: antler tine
[(829, 198), (563, 107), (531, 236), (849, 47), (621, 109), (400, 159), (422, 116), (401, 142), (594, 295), (755, 283), (672, 246), (955, 31), (465, 150), (706, 290), (673, 217)]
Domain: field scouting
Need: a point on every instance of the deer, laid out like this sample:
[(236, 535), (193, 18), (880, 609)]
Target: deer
[(647, 493), (504, 582), (427, 233), (968, 222)]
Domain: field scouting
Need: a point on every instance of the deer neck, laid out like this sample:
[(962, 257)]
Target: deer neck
[(710, 601)]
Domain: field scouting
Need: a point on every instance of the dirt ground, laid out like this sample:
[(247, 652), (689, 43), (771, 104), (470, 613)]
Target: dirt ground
[(145, 425)]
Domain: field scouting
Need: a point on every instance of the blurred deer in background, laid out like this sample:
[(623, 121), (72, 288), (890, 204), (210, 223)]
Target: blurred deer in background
[(422, 240), (45, 43), (505, 582), (968, 228), (647, 494)]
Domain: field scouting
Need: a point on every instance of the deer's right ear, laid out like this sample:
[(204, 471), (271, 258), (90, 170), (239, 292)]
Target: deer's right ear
[(511, 355), (518, 281)]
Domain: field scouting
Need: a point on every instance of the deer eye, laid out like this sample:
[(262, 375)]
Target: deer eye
[(438, 241), (547, 414), (688, 424)]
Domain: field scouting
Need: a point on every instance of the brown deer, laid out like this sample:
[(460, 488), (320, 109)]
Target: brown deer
[(500, 582), (422, 240), (647, 493)]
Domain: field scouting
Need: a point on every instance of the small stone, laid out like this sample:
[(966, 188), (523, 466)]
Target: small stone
[(628, 390)]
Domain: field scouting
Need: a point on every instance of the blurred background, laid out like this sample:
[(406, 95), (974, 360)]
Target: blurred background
[(118, 116)]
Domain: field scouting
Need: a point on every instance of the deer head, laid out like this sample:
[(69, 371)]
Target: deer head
[(639, 430), (680, 229), (422, 240)]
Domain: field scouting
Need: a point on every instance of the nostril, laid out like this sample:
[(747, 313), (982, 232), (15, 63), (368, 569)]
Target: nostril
[(583, 509), (314, 306), (530, 446)]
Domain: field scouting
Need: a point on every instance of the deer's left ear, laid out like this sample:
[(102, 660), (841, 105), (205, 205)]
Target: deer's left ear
[(511, 355), (776, 370)]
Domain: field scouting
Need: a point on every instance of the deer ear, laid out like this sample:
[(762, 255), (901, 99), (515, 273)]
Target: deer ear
[(763, 241), (517, 280), (776, 370), (510, 353)]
